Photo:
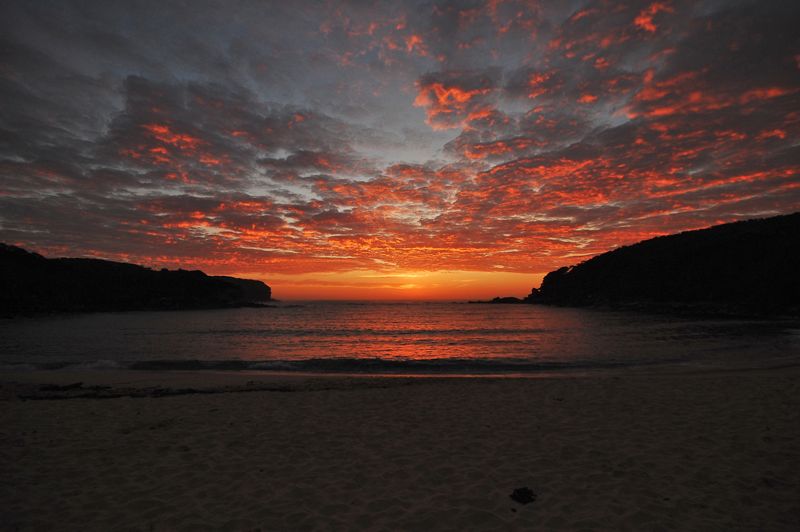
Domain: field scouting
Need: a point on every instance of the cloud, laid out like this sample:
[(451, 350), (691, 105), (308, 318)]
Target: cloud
[(454, 98)]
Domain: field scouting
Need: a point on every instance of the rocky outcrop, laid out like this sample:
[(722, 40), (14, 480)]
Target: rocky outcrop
[(507, 300), (743, 267), (30, 283)]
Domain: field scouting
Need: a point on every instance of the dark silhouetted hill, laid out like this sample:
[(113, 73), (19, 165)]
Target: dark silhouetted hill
[(748, 267), (30, 283)]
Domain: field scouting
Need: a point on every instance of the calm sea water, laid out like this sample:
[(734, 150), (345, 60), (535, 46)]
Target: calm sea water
[(394, 337)]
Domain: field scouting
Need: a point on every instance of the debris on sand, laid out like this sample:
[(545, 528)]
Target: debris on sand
[(523, 495)]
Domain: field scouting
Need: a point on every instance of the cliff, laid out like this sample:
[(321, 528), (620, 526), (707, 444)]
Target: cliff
[(743, 267), (31, 283)]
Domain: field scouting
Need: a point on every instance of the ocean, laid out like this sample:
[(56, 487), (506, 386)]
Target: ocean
[(395, 338)]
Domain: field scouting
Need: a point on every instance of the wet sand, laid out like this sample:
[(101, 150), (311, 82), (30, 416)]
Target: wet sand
[(156, 451)]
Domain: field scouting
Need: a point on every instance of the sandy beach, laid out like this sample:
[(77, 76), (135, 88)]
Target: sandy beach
[(702, 451)]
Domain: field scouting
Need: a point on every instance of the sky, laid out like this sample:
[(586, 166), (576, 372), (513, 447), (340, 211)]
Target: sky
[(390, 150)]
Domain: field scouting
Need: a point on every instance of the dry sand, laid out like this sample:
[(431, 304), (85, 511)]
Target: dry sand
[(637, 452)]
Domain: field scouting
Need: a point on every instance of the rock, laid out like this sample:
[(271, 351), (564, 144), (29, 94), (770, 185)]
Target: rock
[(506, 300), (523, 495)]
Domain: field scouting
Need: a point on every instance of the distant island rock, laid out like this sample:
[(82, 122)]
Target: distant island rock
[(748, 267), (508, 300), (31, 283)]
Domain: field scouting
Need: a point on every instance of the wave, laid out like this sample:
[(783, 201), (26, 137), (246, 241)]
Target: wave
[(376, 366)]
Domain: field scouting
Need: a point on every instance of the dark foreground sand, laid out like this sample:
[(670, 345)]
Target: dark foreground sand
[(639, 452)]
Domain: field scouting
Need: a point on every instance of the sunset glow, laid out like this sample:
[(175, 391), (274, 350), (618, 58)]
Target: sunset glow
[(392, 150)]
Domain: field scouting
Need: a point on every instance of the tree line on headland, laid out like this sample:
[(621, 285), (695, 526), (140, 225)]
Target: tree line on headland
[(748, 267), (30, 283)]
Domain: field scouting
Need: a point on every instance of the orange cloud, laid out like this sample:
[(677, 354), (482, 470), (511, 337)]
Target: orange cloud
[(645, 18), (536, 84), (499, 147), (163, 133), (415, 43), (449, 100)]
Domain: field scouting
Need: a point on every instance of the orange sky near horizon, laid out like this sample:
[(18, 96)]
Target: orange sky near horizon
[(414, 285)]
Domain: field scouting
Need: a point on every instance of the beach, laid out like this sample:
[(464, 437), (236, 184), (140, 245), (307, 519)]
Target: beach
[(247, 451)]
